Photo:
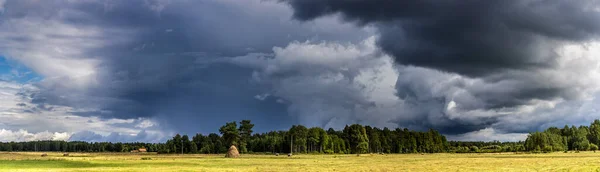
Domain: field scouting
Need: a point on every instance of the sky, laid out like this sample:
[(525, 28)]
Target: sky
[(143, 70)]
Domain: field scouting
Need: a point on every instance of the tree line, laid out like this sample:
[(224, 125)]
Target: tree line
[(351, 139), (572, 138), (77, 146), (485, 147), (354, 138)]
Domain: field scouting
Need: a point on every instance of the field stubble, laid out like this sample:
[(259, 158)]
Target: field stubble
[(55, 161)]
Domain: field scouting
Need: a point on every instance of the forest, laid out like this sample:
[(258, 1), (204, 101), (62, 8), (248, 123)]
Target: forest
[(572, 138), (352, 139), (298, 139)]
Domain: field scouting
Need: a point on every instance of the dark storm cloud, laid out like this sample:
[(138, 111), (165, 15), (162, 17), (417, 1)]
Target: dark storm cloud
[(455, 104), (472, 38), (148, 62), (190, 66), (430, 113), (478, 39)]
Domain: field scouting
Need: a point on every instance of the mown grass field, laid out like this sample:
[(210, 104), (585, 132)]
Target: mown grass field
[(32, 161)]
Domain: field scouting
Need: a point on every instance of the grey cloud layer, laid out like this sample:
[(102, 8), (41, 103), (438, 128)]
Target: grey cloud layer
[(473, 68), (472, 38), (502, 58), (131, 59), (329, 84)]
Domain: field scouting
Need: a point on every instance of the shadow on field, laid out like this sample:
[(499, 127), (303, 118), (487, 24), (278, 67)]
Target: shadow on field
[(26, 164), (536, 156)]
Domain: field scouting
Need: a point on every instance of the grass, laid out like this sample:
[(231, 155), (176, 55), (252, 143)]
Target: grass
[(32, 161)]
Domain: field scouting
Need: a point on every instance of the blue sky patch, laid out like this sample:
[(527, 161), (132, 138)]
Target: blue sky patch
[(13, 71)]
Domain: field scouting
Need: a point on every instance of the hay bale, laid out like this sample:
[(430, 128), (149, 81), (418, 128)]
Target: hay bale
[(232, 152), (66, 154), (44, 155), (276, 154), (289, 154)]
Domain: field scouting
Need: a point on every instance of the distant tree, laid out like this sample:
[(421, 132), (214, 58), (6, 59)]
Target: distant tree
[(594, 132), (218, 145), (339, 145), (273, 140), (327, 143), (175, 144), (593, 147), (579, 139), (314, 139), (388, 140), (245, 131), (299, 134), (331, 131), (519, 148), (474, 149), (230, 134), (584, 145), (203, 144), (187, 144), (357, 138), (374, 140)]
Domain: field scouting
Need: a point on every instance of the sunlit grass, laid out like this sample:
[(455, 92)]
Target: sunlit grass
[(32, 161)]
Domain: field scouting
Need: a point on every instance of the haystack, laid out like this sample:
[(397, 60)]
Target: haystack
[(232, 152)]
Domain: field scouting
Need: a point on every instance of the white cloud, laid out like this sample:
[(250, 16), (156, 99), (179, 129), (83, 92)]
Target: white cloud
[(59, 52), (325, 83), (335, 84), (488, 134), (89, 64), (261, 97), (329, 84), (19, 123), (157, 5), (8, 96), (24, 135), (145, 123), (49, 54)]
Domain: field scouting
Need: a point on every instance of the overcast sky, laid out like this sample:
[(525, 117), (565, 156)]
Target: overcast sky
[(143, 70)]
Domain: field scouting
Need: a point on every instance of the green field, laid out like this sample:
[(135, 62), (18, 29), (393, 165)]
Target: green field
[(32, 161)]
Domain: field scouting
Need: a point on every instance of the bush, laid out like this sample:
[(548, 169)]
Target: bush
[(362, 147), (547, 149), (474, 149), (519, 148), (507, 149), (582, 145), (593, 147)]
